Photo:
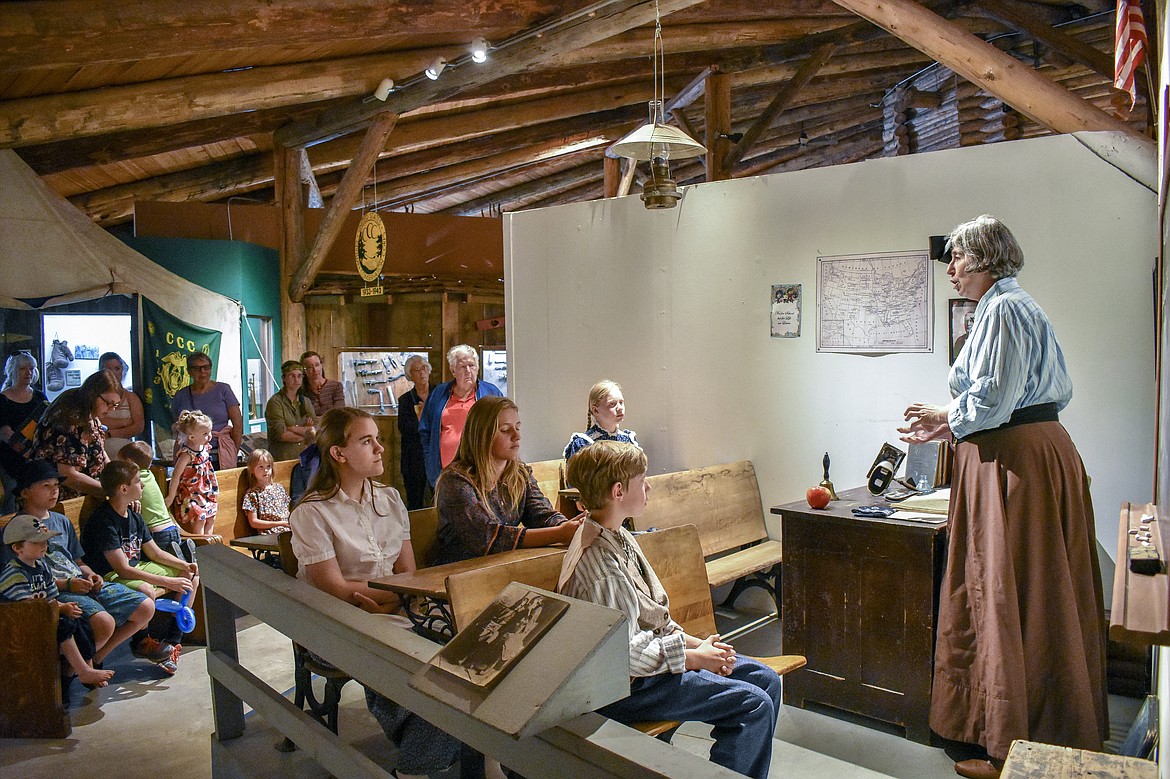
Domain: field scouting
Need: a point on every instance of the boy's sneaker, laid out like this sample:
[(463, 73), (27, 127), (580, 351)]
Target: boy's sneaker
[(176, 652), (152, 649), (168, 667)]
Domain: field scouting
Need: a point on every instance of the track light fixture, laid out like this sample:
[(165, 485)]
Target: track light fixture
[(384, 89), (435, 68), (479, 50)]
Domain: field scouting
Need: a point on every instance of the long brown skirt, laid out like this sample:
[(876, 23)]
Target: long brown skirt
[(1021, 625)]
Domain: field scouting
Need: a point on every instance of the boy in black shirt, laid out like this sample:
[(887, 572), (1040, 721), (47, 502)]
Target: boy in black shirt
[(119, 547)]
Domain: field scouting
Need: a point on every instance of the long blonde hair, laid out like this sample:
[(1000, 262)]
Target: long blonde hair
[(334, 431), (475, 450)]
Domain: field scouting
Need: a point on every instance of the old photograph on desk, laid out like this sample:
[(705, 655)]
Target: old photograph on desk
[(484, 651)]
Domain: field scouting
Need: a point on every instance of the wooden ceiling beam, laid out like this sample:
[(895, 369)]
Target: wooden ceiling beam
[(430, 184), (342, 204), (115, 109), (981, 63), (565, 37), (536, 139), (1058, 40), (114, 205), (562, 180), (61, 33), (104, 149), (435, 130), (804, 74)]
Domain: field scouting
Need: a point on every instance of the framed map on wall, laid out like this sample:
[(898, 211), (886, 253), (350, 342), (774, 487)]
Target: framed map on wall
[(875, 303)]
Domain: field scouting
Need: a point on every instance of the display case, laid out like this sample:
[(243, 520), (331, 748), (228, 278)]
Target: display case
[(374, 378)]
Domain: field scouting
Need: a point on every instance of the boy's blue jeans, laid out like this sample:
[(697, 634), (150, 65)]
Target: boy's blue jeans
[(742, 708)]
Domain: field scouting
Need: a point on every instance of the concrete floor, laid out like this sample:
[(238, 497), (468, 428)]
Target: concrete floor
[(146, 725)]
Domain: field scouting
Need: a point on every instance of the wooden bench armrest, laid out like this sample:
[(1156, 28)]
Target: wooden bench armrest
[(655, 727), (782, 664)]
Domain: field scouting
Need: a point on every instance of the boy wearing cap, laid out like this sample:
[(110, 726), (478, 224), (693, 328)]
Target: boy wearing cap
[(27, 577), (114, 612)]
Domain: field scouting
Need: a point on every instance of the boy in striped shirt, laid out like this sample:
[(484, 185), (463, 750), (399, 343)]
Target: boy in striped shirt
[(673, 676)]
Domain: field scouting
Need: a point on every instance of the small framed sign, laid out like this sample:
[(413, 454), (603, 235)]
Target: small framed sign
[(785, 313), (962, 315)]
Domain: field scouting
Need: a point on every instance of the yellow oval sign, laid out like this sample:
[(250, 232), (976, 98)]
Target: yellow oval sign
[(370, 247)]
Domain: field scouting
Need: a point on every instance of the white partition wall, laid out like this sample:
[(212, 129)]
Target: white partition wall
[(674, 305)]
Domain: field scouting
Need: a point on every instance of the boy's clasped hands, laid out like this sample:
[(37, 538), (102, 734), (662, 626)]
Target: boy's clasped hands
[(710, 654)]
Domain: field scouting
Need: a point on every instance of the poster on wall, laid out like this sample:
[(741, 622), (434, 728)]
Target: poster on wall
[(73, 343), (495, 368), (785, 311), (875, 303)]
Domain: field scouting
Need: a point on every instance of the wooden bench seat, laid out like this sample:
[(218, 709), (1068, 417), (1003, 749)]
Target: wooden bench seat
[(723, 503), (676, 557)]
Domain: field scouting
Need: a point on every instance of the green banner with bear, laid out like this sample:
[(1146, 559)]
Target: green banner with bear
[(167, 342)]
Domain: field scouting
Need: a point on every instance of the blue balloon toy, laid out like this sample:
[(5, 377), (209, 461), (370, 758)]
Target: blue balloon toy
[(184, 614)]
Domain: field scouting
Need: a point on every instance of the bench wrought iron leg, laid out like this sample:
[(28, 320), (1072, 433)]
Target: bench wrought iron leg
[(768, 580)]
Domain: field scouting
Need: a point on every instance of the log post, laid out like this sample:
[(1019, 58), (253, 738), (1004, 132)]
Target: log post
[(612, 171), (343, 200), (291, 216), (978, 61), (717, 101)]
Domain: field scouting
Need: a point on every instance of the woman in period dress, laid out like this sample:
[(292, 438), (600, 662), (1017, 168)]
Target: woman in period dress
[(1021, 633)]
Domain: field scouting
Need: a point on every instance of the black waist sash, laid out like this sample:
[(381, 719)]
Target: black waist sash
[(1041, 412)]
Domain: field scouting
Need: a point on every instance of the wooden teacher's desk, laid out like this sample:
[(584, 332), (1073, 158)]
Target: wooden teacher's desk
[(860, 599), (424, 591)]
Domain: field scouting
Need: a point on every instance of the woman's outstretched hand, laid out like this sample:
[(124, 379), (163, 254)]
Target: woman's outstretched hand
[(927, 423)]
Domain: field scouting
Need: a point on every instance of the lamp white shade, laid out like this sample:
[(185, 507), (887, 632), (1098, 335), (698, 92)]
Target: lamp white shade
[(479, 50), (657, 140), (384, 89), (435, 68)]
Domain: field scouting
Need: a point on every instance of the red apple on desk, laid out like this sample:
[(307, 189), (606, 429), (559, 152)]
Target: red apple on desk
[(818, 497)]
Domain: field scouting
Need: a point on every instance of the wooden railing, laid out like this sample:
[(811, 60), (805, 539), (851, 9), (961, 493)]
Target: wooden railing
[(385, 658)]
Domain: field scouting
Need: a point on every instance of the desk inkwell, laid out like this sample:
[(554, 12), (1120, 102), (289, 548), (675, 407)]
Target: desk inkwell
[(828, 485)]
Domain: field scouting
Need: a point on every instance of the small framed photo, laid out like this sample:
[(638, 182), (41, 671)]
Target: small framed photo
[(962, 315)]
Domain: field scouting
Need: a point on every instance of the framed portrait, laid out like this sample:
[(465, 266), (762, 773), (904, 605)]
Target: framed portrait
[(962, 315)]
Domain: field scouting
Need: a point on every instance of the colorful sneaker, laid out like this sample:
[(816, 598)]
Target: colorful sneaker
[(152, 649), (168, 667), (176, 652)]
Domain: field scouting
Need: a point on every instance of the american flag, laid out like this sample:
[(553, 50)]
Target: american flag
[(1130, 46)]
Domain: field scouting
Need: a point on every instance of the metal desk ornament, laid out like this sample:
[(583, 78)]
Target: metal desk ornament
[(828, 485)]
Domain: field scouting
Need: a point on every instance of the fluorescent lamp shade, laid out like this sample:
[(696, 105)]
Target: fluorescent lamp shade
[(658, 140), (384, 89), (479, 50), (435, 68)]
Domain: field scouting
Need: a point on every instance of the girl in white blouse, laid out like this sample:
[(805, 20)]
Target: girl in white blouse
[(348, 529)]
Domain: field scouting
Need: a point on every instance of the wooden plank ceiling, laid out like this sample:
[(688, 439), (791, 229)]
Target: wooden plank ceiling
[(112, 101)]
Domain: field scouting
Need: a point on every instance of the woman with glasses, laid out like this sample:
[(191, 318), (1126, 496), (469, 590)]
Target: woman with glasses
[(218, 401), (19, 401), (71, 435)]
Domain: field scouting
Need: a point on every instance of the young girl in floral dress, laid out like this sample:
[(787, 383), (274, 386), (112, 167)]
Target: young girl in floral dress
[(194, 484), (265, 501)]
